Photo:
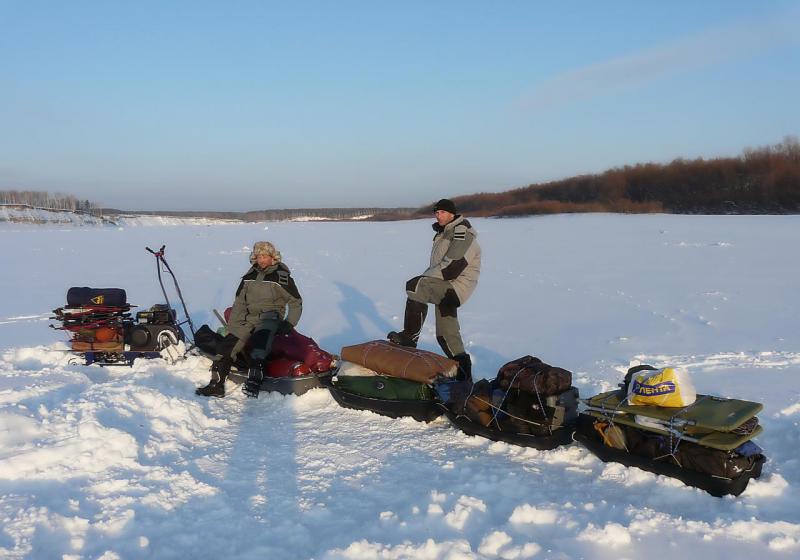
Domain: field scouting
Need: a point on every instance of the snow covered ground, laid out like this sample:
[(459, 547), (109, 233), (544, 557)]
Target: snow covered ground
[(129, 463)]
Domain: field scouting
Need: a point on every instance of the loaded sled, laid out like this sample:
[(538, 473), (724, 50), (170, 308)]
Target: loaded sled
[(706, 443), (529, 403), (391, 380), (103, 331), (295, 366)]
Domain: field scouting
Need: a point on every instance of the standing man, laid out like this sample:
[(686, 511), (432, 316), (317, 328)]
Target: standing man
[(267, 303), (448, 283)]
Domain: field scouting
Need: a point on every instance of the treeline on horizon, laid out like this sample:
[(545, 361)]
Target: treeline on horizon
[(41, 199), (760, 181)]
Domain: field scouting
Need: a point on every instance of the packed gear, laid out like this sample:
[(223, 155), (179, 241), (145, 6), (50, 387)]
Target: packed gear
[(529, 403), (103, 331), (294, 365), (706, 443), (391, 380), (407, 363)]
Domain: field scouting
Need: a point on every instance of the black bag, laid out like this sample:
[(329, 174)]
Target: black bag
[(727, 464), (207, 340), (688, 455), (107, 297), (532, 375)]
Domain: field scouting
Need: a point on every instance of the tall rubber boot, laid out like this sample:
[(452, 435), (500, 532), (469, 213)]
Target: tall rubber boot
[(255, 375), (412, 324), (464, 367), (219, 373)]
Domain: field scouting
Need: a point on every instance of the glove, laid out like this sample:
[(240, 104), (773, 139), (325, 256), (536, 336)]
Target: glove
[(284, 327), (238, 348)]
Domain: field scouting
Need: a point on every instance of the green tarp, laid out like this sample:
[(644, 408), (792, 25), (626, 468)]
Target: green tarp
[(709, 421), (384, 387)]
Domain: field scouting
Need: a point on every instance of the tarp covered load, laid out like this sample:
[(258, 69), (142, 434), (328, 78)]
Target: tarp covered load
[(706, 443), (393, 360), (529, 403)]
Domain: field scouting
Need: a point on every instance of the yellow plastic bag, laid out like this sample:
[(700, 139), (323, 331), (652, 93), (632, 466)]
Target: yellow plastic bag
[(669, 387)]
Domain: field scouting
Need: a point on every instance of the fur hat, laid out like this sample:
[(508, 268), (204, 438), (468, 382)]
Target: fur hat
[(445, 204), (264, 248)]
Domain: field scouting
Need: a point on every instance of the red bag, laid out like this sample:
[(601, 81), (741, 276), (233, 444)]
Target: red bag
[(285, 367), (297, 348)]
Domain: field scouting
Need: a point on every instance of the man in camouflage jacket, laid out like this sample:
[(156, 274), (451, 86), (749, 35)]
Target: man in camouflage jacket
[(448, 283), (259, 312)]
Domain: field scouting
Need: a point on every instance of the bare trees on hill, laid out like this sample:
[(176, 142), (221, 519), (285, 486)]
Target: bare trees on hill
[(762, 180), (41, 199)]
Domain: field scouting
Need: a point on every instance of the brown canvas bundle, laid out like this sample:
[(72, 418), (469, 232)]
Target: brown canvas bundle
[(399, 361), (532, 375)]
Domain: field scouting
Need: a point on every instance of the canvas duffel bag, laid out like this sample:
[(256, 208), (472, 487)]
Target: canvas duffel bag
[(399, 361), (383, 387), (107, 297)]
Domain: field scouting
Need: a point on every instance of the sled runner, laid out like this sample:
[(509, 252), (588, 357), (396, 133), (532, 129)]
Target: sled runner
[(284, 385), (715, 484), (559, 437)]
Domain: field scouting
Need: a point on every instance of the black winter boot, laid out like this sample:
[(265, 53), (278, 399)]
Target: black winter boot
[(213, 389), (402, 339), (255, 375), (413, 319), (464, 367), (216, 387)]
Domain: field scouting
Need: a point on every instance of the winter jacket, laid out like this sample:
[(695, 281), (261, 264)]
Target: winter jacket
[(261, 292), (456, 256)]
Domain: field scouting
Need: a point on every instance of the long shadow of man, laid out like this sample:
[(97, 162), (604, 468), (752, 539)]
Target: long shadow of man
[(354, 306)]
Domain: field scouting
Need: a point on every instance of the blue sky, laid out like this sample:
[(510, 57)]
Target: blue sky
[(251, 105)]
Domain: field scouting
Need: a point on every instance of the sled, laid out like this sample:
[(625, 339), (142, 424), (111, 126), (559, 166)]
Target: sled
[(717, 486), (285, 385), (559, 432), (422, 410), (710, 421), (291, 354), (560, 436)]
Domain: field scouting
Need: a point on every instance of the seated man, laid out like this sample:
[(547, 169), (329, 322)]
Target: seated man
[(259, 313)]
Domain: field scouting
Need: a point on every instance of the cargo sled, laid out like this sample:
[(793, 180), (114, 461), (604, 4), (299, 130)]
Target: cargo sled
[(529, 403), (706, 444), (387, 396), (391, 380), (295, 366), (103, 331)]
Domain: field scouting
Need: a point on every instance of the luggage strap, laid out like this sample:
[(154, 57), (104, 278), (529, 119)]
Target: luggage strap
[(499, 409)]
